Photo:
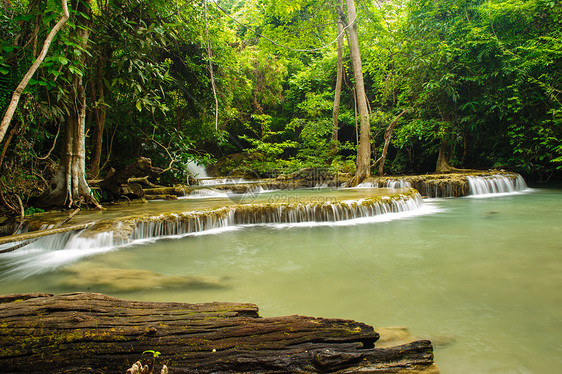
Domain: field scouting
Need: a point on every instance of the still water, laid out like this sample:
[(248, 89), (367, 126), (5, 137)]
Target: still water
[(482, 278)]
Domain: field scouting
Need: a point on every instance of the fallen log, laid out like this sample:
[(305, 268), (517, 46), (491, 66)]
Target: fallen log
[(95, 333), (116, 184)]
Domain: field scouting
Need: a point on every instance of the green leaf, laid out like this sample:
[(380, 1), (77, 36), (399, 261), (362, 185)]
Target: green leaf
[(139, 105)]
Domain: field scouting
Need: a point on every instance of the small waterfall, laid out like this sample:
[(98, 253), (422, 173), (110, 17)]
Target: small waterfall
[(496, 184), (397, 183), (198, 171), (367, 185), (248, 214), (52, 251), (219, 181), (389, 183)]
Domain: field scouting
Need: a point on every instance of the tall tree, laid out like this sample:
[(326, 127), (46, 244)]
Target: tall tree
[(339, 77), (364, 151)]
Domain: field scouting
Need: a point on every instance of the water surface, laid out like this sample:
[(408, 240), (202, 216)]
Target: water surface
[(480, 277)]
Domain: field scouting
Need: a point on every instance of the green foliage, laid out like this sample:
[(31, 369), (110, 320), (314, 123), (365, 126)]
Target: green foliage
[(484, 76), (33, 210)]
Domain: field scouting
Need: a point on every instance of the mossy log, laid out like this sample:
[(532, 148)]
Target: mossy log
[(85, 332)]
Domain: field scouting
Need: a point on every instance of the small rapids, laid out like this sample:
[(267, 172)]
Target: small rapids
[(495, 185)]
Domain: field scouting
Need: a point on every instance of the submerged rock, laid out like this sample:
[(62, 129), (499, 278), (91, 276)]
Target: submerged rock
[(398, 335), (99, 276)]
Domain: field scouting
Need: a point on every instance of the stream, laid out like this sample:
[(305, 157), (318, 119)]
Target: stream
[(480, 277)]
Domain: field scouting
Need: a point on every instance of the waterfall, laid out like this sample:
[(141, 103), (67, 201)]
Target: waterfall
[(198, 171), (389, 183), (399, 183), (217, 181), (52, 251), (250, 214), (496, 184)]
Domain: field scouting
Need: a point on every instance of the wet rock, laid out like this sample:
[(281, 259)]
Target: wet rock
[(98, 276)]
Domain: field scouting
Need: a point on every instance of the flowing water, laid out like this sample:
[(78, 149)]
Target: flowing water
[(481, 278)]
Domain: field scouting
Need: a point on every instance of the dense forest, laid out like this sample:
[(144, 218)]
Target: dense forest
[(261, 88)]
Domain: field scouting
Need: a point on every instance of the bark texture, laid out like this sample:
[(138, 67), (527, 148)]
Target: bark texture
[(85, 332)]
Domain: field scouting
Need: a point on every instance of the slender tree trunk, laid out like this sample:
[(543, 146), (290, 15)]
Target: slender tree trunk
[(364, 151), (387, 138), (339, 79), (13, 132), (100, 116), (19, 89)]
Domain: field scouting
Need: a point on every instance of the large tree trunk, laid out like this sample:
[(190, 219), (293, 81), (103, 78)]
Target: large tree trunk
[(364, 151), (445, 153), (69, 187), (26, 78), (94, 333), (339, 79)]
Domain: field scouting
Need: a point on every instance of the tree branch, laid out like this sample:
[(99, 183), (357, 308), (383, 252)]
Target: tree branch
[(19, 89)]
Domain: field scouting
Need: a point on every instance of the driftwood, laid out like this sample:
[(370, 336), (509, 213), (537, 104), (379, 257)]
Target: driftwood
[(84, 332), (116, 183)]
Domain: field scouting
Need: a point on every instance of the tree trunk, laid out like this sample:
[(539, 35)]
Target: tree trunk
[(19, 89), (339, 79), (94, 333), (364, 151), (100, 111), (387, 138), (69, 187), (442, 165)]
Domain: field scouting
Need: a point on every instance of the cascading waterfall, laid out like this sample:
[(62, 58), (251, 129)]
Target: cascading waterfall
[(198, 221), (219, 181), (390, 183), (496, 184), (197, 170)]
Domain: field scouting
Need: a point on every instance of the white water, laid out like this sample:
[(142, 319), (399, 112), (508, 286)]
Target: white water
[(391, 183), (218, 181), (495, 185), (198, 171), (297, 210)]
